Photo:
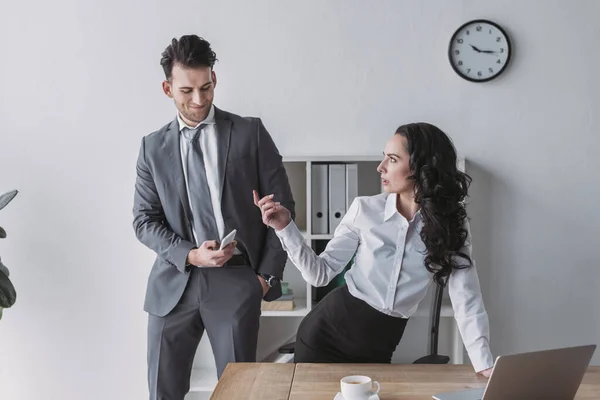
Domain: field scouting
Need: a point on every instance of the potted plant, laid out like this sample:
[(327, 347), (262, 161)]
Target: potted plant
[(8, 295)]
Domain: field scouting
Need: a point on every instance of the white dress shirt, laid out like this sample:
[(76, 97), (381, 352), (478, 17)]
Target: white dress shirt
[(389, 271), (208, 144)]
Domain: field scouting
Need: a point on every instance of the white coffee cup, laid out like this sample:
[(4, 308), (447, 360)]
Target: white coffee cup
[(358, 387)]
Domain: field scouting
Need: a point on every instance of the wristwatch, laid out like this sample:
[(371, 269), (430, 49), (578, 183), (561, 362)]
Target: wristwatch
[(271, 280)]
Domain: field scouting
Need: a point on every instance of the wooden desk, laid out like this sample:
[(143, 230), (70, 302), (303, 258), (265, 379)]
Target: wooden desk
[(255, 381), (321, 381)]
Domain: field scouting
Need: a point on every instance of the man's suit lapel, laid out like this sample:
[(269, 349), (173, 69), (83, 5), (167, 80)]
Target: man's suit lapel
[(223, 139), (172, 149)]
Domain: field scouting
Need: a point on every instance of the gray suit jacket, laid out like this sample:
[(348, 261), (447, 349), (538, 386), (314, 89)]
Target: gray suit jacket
[(248, 159)]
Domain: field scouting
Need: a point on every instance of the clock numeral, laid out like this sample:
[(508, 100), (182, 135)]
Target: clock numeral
[(490, 31), (468, 70), (478, 29), (498, 39), (468, 32), (479, 73), (499, 62), (502, 50), (459, 40), (491, 70), (460, 63), (456, 52)]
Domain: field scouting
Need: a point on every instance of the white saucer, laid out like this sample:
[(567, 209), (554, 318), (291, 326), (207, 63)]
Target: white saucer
[(339, 396)]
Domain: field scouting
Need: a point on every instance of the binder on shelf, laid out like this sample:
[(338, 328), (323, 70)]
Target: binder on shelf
[(351, 184), (337, 195), (320, 212)]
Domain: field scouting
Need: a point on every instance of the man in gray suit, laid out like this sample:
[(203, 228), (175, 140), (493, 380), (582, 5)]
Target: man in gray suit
[(195, 178)]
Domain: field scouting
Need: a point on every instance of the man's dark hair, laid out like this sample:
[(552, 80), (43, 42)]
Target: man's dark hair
[(190, 51)]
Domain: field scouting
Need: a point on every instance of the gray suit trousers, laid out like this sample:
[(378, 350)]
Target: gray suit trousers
[(223, 301)]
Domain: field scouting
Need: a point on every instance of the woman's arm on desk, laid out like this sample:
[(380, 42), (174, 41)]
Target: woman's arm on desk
[(470, 313), (316, 270)]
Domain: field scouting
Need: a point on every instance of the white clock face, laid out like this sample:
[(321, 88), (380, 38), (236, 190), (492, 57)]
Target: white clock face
[(479, 51)]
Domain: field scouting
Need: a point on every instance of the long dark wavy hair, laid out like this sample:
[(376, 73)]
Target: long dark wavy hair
[(440, 190)]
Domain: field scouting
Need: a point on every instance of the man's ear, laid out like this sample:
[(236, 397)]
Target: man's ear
[(214, 78), (167, 88)]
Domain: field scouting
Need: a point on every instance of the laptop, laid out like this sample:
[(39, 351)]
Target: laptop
[(548, 374)]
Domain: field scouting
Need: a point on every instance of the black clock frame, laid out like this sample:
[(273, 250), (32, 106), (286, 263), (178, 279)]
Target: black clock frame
[(508, 44)]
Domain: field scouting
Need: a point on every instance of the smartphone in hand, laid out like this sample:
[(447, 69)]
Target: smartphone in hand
[(228, 239)]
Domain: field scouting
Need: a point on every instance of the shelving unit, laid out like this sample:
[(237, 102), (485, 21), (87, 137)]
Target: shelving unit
[(300, 310), (203, 380), (299, 171)]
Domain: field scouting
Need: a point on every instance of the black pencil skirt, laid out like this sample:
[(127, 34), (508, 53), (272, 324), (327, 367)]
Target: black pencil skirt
[(344, 329)]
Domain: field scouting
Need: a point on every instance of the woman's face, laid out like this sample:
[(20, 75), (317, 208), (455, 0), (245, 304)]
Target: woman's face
[(394, 168)]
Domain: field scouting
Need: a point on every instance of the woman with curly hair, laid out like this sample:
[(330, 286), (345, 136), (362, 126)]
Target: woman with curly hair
[(403, 240)]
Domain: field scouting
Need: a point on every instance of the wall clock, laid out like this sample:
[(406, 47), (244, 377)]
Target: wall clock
[(479, 50)]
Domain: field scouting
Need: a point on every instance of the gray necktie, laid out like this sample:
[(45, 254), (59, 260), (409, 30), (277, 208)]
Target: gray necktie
[(205, 224)]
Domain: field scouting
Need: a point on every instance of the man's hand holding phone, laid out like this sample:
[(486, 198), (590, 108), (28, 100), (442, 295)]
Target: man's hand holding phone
[(211, 254)]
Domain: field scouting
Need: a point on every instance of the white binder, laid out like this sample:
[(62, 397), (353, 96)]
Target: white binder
[(351, 184), (319, 209), (337, 195)]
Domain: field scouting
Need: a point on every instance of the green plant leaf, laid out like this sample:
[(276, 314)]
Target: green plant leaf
[(4, 268), (7, 197), (8, 295)]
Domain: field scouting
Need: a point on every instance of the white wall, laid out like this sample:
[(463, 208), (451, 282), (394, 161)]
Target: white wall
[(80, 86)]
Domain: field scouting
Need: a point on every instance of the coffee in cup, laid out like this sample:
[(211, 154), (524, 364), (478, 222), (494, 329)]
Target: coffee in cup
[(358, 387)]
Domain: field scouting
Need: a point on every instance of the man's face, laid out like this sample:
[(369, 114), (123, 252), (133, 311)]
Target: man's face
[(193, 91)]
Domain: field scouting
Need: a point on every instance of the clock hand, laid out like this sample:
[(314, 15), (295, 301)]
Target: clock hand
[(475, 48)]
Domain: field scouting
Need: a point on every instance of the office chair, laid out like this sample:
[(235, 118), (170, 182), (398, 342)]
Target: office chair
[(433, 357)]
